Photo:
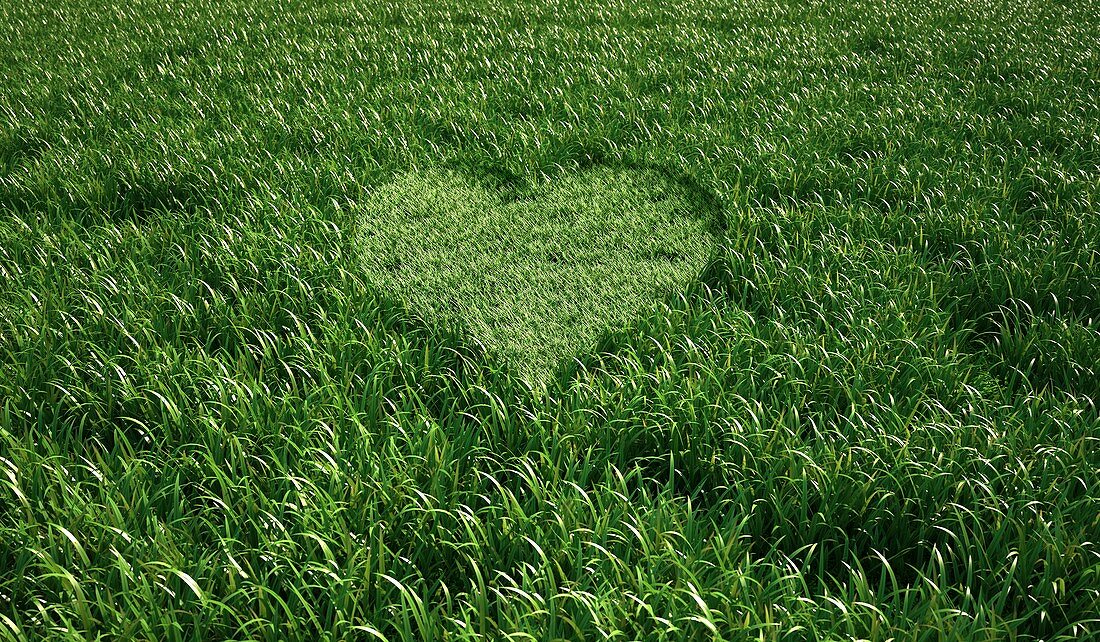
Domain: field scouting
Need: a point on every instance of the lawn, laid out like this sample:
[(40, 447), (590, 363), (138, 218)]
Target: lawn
[(517, 320)]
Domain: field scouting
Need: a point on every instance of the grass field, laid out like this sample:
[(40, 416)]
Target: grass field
[(830, 371)]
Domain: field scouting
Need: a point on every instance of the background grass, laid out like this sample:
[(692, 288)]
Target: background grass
[(873, 417)]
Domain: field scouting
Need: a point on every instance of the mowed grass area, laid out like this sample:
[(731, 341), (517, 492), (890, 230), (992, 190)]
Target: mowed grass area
[(535, 277), (872, 415)]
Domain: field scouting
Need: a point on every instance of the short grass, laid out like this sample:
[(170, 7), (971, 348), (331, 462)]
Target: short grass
[(535, 278), (873, 415)]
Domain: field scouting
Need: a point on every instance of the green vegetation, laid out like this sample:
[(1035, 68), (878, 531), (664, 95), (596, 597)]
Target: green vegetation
[(536, 277), (871, 415)]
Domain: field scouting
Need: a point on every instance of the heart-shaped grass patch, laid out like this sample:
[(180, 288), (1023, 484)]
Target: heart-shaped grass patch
[(535, 276)]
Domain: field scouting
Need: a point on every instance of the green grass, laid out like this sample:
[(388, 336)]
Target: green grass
[(535, 278), (871, 415)]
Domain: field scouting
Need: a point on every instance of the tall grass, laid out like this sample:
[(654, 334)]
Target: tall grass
[(872, 416)]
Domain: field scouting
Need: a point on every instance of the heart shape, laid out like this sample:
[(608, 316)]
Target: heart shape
[(535, 276)]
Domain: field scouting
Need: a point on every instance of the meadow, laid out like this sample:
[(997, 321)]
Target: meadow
[(833, 376)]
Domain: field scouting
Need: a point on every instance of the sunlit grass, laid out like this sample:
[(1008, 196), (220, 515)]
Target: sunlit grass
[(871, 416), (535, 277)]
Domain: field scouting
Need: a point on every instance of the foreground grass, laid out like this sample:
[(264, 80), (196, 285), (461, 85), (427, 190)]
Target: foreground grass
[(873, 416)]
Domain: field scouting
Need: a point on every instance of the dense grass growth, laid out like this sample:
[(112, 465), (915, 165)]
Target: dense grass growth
[(873, 415)]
